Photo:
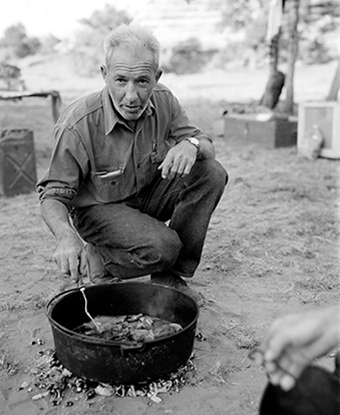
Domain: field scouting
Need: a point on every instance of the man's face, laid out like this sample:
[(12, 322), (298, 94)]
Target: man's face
[(131, 78)]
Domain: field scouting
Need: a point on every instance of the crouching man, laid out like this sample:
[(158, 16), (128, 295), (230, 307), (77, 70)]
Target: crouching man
[(132, 183)]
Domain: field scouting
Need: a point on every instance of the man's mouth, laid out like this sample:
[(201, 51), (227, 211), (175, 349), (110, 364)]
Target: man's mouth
[(131, 108)]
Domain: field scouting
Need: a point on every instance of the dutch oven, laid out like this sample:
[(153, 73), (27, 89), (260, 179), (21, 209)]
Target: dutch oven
[(102, 360)]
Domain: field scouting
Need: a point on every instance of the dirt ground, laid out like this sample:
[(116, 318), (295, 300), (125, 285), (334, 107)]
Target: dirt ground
[(272, 249)]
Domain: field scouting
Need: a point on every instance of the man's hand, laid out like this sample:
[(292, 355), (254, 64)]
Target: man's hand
[(179, 160), (294, 341), (70, 253), (71, 257)]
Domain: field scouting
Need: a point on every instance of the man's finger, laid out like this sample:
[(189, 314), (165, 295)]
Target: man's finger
[(287, 382), (74, 269), (270, 366), (187, 169), (82, 266), (165, 168), (63, 266)]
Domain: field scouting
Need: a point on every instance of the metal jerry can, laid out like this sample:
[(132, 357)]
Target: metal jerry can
[(17, 162)]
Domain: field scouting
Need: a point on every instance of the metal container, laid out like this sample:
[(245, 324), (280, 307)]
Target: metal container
[(17, 162), (115, 362)]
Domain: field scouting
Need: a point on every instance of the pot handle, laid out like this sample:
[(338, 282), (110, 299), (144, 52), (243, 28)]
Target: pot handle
[(125, 348)]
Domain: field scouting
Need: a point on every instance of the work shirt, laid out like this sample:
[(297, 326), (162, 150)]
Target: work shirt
[(98, 158)]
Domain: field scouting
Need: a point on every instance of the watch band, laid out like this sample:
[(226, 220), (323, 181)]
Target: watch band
[(194, 142)]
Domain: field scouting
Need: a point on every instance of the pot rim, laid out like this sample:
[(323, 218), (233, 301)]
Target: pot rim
[(91, 340)]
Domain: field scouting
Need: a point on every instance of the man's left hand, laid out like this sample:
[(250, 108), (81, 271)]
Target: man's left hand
[(179, 160)]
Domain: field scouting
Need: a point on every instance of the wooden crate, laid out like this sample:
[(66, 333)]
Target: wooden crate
[(17, 162), (270, 134), (326, 115)]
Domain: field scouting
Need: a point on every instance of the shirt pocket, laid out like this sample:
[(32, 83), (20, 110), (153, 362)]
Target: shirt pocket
[(109, 185)]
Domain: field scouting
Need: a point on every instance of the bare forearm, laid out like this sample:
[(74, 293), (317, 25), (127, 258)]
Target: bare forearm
[(207, 150), (70, 253), (55, 215)]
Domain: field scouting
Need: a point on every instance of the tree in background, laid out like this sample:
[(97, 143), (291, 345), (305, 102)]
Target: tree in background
[(335, 86), (276, 79), (17, 44), (293, 43), (186, 57), (305, 24), (48, 44), (317, 19), (86, 51)]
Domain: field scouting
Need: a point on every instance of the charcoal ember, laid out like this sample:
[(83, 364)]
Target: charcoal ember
[(37, 341), (39, 396), (105, 390), (164, 386), (80, 385), (90, 394), (24, 385), (57, 380), (200, 337), (141, 390), (131, 392), (120, 391), (52, 376), (155, 398)]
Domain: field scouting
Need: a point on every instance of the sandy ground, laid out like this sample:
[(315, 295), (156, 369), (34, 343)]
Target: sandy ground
[(272, 248)]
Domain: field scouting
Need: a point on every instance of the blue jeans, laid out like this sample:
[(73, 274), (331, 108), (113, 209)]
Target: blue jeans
[(132, 236)]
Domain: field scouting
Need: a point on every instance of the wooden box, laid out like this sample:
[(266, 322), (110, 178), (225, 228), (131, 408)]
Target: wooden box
[(269, 133), (326, 115), (17, 162)]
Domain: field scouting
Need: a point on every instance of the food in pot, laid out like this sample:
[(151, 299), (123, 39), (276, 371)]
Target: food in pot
[(128, 328)]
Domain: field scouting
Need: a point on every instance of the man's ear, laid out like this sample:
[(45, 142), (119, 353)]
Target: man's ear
[(103, 71), (158, 74)]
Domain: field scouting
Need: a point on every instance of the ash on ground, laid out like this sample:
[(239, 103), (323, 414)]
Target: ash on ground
[(53, 381)]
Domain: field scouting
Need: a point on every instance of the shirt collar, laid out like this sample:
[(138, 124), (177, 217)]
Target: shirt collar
[(110, 115)]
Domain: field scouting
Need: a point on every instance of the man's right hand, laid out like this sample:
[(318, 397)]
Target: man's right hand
[(70, 253), (71, 257)]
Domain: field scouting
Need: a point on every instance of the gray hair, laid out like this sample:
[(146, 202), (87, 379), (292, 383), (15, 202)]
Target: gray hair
[(132, 36)]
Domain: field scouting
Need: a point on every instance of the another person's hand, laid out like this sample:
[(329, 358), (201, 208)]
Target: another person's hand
[(179, 160), (294, 341), (71, 257)]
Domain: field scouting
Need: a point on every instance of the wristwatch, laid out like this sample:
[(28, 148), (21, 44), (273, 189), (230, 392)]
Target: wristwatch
[(194, 142)]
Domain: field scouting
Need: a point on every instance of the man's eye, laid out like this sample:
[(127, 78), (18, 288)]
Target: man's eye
[(143, 82), (120, 81)]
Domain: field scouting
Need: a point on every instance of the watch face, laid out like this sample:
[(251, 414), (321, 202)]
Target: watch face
[(194, 141)]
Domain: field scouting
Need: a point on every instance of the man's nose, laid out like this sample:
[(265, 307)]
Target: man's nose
[(131, 92)]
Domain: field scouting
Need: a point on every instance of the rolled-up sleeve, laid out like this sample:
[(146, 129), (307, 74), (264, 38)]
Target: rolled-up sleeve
[(68, 165)]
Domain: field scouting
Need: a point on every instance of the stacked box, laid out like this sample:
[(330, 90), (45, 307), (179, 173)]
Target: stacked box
[(269, 134), (17, 162)]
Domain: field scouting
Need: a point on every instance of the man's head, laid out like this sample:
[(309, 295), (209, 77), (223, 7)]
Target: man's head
[(131, 69)]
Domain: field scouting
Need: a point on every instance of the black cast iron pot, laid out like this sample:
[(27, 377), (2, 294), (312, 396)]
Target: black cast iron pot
[(114, 362)]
